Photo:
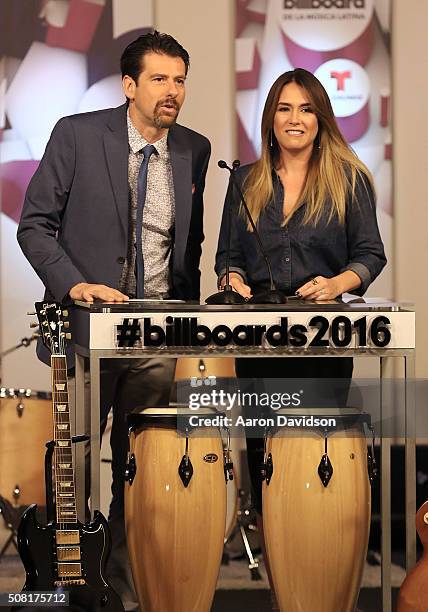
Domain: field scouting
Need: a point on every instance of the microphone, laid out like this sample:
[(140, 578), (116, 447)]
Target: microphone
[(228, 295), (272, 295)]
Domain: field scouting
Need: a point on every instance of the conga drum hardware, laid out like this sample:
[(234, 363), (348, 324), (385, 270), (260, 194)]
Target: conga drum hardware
[(185, 469), (325, 468), (130, 469), (371, 458), (227, 460)]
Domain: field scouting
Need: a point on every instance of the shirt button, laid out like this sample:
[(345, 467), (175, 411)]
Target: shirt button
[(120, 260), (287, 259)]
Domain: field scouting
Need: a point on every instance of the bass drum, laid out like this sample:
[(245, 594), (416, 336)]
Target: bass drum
[(175, 511), (25, 426), (316, 514)]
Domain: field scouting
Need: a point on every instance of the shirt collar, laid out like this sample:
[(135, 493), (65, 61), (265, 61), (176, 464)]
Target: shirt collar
[(137, 142)]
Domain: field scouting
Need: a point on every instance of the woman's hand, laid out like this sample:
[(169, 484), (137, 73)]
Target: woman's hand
[(237, 284), (321, 288)]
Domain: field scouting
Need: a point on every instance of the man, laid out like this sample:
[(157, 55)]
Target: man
[(114, 212)]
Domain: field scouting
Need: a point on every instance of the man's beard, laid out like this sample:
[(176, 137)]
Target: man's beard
[(165, 121)]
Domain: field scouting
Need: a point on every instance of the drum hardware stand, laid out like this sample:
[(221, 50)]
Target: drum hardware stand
[(24, 342), (11, 518), (242, 522)]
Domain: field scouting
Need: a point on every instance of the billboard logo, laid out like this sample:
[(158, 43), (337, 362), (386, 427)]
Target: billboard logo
[(340, 77), (327, 4)]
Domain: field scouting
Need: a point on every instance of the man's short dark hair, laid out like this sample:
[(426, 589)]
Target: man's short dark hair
[(131, 62)]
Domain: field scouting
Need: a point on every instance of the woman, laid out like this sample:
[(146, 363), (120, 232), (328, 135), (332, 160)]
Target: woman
[(313, 202)]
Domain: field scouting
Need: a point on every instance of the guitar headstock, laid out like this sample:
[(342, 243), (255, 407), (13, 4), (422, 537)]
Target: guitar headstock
[(52, 324)]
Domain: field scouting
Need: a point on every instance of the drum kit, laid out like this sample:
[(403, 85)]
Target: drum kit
[(181, 499)]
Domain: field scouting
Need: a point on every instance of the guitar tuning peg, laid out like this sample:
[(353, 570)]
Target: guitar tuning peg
[(66, 324), (68, 336), (65, 313), (31, 314), (34, 324)]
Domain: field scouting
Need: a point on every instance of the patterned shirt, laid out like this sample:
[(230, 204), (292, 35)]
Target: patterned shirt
[(158, 218)]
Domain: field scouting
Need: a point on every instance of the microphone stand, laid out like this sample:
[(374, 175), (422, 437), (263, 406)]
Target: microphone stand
[(227, 295), (271, 295)]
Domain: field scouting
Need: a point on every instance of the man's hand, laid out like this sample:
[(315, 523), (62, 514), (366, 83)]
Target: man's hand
[(85, 292)]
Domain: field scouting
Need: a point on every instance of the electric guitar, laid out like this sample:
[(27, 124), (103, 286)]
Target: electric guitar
[(64, 555)]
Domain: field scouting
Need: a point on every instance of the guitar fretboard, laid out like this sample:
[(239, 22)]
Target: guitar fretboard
[(65, 493)]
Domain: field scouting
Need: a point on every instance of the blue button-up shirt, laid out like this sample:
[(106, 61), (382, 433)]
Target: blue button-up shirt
[(299, 251)]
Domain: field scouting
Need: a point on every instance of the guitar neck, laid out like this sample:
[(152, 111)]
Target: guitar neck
[(63, 467)]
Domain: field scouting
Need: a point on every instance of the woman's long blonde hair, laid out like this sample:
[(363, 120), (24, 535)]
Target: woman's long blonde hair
[(333, 166)]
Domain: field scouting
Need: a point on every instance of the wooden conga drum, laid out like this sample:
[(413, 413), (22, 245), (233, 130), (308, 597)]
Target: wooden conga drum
[(26, 424), (174, 524), (316, 514)]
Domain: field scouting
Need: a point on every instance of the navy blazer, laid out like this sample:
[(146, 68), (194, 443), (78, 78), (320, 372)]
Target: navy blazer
[(74, 223)]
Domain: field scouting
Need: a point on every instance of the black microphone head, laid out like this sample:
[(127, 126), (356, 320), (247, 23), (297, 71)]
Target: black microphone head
[(222, 164), (236, 164)]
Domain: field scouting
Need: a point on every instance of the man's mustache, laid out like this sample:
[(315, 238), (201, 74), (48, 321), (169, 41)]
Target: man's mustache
[(170, 101)]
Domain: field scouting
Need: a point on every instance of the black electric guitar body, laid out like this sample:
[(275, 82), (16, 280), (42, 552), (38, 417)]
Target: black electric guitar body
[(65, 555)]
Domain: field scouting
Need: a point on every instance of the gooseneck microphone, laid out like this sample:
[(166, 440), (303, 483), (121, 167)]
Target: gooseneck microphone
[(227, 295), (272, 295)]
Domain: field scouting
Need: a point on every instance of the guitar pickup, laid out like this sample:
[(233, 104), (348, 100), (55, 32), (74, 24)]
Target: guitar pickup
[(67, 537), (68, 553), (69, 569)]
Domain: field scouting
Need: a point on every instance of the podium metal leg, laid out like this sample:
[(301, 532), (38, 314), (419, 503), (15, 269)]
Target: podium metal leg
[(95, 433), (385, 483), (410, 453), (79, 428)]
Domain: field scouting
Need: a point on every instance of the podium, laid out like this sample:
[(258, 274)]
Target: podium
[(350, 328)]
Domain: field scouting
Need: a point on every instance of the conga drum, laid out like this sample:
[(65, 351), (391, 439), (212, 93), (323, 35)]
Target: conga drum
[(316, 510), (26, 424), (175, 510)]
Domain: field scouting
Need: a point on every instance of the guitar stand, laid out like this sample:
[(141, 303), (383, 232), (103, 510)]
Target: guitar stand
[(11, 518)]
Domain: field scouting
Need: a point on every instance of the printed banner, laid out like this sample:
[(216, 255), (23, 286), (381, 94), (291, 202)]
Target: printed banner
[(346, 44), (57, 58)]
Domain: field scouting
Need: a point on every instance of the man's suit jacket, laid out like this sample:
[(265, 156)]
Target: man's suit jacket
[(74, 224)]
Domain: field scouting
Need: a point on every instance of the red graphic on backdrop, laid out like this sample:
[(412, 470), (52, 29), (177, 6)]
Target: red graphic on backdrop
[(341, 77)]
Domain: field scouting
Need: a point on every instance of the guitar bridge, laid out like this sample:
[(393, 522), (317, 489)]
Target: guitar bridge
[(68, 553), (60, 583), (67, 537), (69, 569)]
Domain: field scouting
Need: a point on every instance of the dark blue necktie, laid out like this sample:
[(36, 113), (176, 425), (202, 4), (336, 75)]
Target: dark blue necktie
[(141, 198)]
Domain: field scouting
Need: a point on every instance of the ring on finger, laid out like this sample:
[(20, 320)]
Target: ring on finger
[(314, 281)]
